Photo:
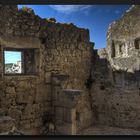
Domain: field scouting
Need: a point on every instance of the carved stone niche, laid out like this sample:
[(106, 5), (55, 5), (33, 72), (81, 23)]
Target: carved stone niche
[(118, 48)]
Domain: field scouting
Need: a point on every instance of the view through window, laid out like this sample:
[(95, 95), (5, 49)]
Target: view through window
[(13, 62)]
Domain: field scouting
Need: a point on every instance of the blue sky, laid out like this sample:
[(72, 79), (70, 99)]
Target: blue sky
[(94, 17), (12, 56)]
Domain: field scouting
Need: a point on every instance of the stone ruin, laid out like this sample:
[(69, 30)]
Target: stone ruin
[(66, 85), (116, 73)]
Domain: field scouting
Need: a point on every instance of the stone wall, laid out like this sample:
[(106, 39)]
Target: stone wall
[(107, 80), (123, 41), (116, 73), (62, 49)]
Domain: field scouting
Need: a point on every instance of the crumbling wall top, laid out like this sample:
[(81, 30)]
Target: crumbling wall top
[(24, 23)]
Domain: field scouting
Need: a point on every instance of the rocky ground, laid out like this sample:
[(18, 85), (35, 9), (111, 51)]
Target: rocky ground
[(107, 130)]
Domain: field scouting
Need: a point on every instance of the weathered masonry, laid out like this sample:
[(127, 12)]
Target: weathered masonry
[(55, 60), (116, 70), (61, 84)]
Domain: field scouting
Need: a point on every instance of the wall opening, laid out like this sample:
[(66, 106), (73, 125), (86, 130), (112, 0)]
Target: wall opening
[(120, 48), (13, 62), (77, 116), (137, 43), (113, 49), (19, 61)]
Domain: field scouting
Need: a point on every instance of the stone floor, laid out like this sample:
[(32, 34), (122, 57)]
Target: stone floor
[(107, 130)]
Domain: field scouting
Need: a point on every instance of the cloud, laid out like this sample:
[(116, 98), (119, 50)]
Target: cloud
[(68, 9)]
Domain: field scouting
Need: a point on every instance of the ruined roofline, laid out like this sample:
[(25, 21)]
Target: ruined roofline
[(25, 23), (133, 7), (104, 51), (125, 27), (54, 21)]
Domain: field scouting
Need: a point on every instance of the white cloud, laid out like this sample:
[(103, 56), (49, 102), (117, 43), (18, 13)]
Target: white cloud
[(68, 9)]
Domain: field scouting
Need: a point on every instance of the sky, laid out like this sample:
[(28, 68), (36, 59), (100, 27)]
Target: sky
[(12, 56), (96, 18)]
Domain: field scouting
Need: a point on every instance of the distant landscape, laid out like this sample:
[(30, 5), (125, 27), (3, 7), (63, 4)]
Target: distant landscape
[(13, 67)]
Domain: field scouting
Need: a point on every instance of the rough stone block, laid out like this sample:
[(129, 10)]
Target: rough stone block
[(6, 123), (59, 112), (48, 77), (10, 90), (42, 93)]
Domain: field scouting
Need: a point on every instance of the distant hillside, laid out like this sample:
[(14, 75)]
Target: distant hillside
[(9, 65)]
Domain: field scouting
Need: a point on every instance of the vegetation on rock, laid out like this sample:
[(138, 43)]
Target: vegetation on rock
[(27, 10)]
